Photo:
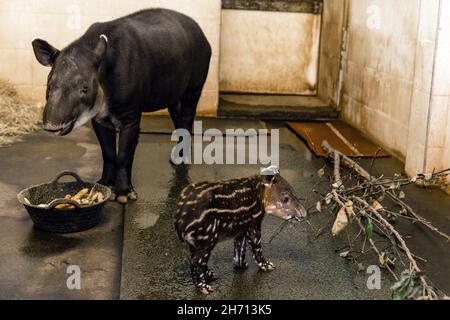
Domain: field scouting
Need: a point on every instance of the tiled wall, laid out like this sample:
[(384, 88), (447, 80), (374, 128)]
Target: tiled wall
[(330, 50), (379, 76), (57, 21), (396, 74), (432, 93)]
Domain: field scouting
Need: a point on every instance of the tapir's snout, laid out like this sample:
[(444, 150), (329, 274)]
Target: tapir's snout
[(299, 213), (57, 119), (59, 130)]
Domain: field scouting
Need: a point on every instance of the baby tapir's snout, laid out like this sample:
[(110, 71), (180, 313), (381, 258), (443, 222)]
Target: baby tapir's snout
[(211, 212)]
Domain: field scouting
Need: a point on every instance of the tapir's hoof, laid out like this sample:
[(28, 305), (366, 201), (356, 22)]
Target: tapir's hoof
[(113, 196), (206, 290), (122, 199), (242, 266), (133, 196), (267, 266)]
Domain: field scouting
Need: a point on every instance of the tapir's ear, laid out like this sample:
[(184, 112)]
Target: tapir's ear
[(101, 48), (267, 181), (45, 53), (269, 175)]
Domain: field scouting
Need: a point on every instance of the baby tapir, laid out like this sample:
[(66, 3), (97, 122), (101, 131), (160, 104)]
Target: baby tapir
[(234, 209)]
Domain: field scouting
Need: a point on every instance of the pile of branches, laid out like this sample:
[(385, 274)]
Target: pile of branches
[(358, 199), (17, 115)]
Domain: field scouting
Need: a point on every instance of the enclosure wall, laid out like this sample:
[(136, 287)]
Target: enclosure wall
[(62, 21)]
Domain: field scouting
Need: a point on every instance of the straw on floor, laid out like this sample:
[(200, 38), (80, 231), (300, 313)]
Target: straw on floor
[(18, 117)]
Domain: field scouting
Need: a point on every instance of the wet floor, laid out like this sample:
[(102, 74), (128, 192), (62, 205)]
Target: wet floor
[(156, 265), (34, 264), (135, 253)]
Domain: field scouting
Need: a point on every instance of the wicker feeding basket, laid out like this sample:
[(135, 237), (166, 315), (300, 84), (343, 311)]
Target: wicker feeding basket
[(51, 219)]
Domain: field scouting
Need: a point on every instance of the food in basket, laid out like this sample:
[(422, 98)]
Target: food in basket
[(84, 198)]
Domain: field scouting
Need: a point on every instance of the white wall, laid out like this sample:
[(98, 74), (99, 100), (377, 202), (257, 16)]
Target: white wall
[(330, 51), (56, 21), (396, 74), (379, 77), (428, 141)]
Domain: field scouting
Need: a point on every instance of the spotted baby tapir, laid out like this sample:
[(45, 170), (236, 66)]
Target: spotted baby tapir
[(212, 212)]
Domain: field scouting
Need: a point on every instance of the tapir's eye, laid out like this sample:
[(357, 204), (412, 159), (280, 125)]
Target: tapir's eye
[(285, 199)]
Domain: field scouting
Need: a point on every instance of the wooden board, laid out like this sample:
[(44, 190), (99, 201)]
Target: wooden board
[(340, 136)]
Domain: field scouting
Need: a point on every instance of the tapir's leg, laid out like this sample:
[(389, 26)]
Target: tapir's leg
[(254, 239), (175, 114), (132, 194), (107, 139), (240, 247), (183, 114), (128, 140), (179, 116), (210, 276), (199, 268)]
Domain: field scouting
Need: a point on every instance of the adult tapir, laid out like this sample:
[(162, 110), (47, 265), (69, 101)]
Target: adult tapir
[(144, 62)]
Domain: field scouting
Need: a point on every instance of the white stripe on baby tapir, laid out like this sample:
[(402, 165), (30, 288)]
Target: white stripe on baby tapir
[(220, 184), (204, 213), (202, 238), (201, 194), (195, 187), (256, 215), (189, 238), (233, 194)]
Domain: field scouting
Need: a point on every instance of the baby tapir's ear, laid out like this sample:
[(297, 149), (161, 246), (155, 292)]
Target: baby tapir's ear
[(45, 53), (268, 175)]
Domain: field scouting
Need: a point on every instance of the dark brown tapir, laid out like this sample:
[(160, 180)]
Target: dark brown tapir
[(144, 62)]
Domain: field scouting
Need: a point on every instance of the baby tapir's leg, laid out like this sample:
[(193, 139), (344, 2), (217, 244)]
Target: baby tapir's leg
[(201, 275), (240, 246), (210, 276), (254, 239)]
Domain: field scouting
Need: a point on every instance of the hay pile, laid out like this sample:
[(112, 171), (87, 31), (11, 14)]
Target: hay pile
[(17, 116)]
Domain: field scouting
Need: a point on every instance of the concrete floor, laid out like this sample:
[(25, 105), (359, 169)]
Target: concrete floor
[(34, 263), (141, 257), (156, 265)]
